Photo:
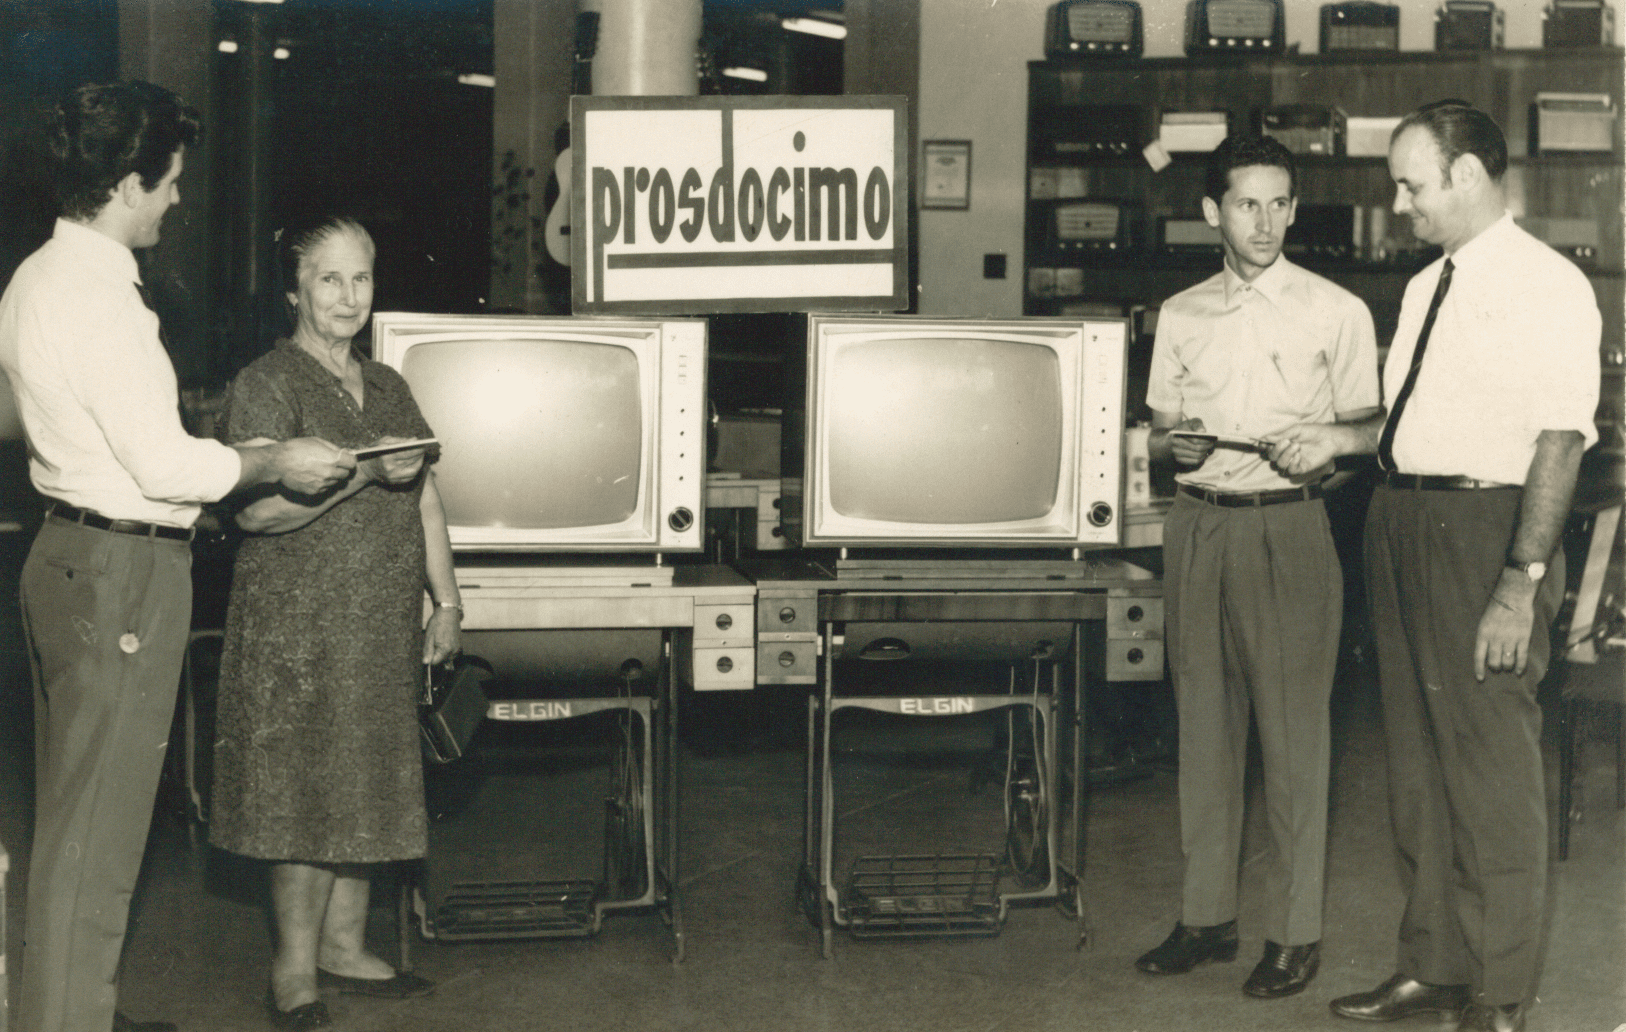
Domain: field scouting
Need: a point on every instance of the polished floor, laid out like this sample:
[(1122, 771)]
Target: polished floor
[(199, 944)]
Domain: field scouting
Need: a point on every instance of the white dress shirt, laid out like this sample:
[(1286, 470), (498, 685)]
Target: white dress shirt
[(1250, 359), (1513, 352), (96, 389)]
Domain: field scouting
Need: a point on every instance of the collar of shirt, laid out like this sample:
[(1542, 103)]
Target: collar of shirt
[(103, 255), (1268, 284), (1487, 247)]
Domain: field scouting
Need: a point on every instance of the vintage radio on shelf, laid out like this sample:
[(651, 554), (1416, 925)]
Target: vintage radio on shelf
[(1469, 25), (1235, 26), (1093, 28), (1366, 136), (1572, 123), (1062, 132), (1093, 226), (1360, 25), (1196, 132), (1305, 128), (1325, 232), (1578, 23), (1176, 235)]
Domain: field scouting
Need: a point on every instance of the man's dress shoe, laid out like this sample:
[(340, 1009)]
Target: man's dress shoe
[(124, 1024), (1401, 997), (1185, 948), (1484, 1017), (1284, 970), (303, 1018)]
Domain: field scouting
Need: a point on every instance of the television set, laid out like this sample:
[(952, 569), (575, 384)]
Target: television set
[(955, 433), (560, 434)]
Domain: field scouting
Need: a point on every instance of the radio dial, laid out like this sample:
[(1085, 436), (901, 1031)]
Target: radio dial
[(680, 519), (1100, 514)]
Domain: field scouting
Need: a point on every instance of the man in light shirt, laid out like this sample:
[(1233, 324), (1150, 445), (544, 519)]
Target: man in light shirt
[(1492, 384), (1253, 581), (107, 590)]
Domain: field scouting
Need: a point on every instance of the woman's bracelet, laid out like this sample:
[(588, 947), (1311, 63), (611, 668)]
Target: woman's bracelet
[(451, 605)]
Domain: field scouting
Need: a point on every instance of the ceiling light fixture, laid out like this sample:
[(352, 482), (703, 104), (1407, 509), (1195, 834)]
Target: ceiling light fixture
[(815, 27), (227, 46), (281, 53), (748, 74), (478, 79)]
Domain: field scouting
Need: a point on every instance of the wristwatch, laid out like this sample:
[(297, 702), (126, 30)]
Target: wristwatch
[(1535, 571)]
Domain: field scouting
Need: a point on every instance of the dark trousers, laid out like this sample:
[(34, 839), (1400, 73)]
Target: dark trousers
[(106, 616), (1254, 606), (1466, 791)]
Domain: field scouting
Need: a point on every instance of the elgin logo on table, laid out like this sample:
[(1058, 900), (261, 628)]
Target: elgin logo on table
[(936, 707), (533, 709)]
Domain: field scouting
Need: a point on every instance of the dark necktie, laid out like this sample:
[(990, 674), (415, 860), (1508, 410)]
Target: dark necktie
[(1386, 442)]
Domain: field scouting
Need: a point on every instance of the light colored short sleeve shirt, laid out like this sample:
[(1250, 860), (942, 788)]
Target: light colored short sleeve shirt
[(1251, 359), (1513, 352), (96, 389)]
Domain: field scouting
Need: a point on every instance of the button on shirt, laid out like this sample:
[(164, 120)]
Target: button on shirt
[(96, 389), (1251, 359), (1513, 352)]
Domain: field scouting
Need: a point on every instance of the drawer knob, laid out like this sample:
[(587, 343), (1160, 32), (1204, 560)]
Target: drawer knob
[(724, 621), (787, 615), (1135, 614), (1136, 656), (787, 659), (724, 664)]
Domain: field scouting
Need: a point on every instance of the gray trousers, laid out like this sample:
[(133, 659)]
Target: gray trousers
[(106, 616), (1467, 795), (1255, 606)]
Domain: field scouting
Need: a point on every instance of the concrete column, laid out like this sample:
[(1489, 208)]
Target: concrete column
[(532, 52), (172, 43), (647, 48)]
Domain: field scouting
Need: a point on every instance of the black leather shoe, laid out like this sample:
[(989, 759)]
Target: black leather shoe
[(299, 1019), (1482, 1017), (124, 1024), (1185, 948), (1284, 970), (1401, 997), (399, 986)]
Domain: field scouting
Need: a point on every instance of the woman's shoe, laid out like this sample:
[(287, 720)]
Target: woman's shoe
[(299, 1019), (399, 986)]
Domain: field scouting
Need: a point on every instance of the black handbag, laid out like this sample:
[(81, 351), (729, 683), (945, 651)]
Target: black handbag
[(454, 703)]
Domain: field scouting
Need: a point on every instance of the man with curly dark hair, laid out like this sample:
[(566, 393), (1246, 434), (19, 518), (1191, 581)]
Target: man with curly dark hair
[(107, 590)]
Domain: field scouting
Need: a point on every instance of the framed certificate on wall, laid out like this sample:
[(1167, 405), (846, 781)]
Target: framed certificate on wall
[(946, 169)]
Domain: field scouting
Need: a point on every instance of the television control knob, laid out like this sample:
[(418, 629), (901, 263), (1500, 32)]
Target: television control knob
[(787, 615), (724, 621), (724, 664), (1100, 514), (787, 659), (680, 519)]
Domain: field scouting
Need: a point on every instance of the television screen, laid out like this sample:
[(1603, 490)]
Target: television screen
[(953, 410), (945, 432), (560, 433)]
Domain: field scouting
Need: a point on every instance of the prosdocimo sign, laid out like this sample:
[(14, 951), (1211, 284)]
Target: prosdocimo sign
[(690, 205)]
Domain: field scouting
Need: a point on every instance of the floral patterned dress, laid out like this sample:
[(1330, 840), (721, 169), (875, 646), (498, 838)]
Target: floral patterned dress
[(316, 749)]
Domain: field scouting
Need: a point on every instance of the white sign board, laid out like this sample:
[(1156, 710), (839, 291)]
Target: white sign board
[(693, 205)]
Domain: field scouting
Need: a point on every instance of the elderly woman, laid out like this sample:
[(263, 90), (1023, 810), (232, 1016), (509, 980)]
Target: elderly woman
[(317, 762)]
